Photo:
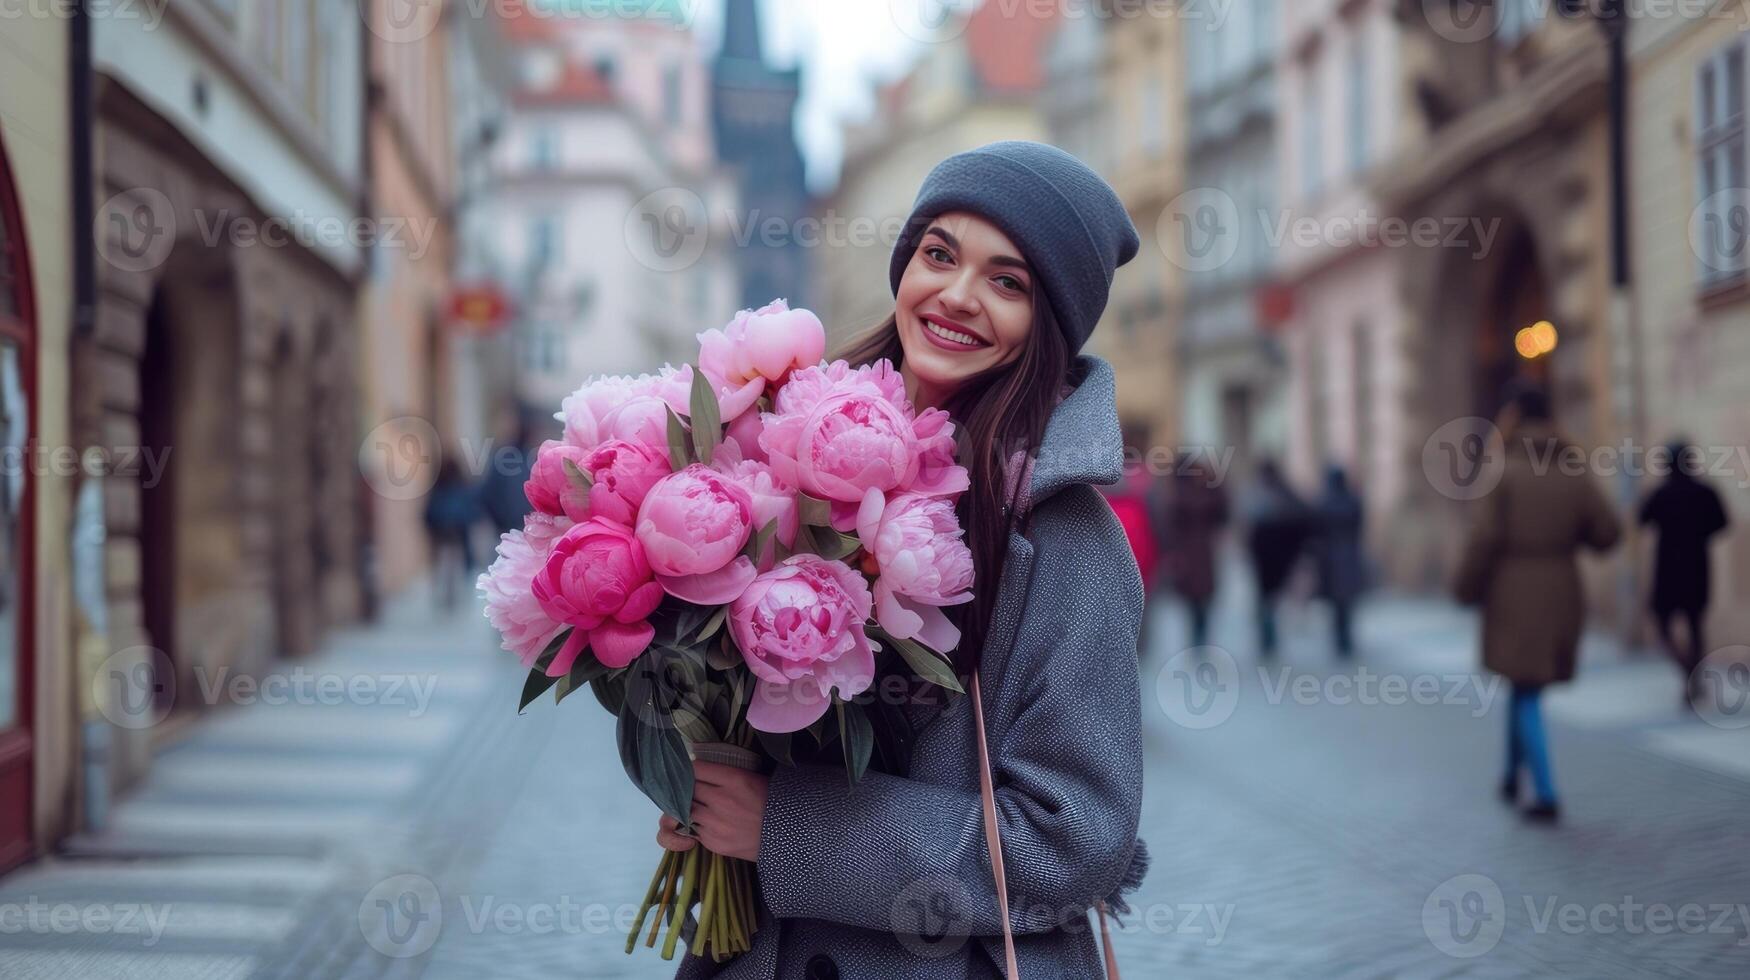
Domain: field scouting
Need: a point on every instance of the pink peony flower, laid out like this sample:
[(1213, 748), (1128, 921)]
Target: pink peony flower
[(511, 607), (621, 474), (773, 500), (632, 409), (597, 581), (760, 346), (800, 630), (549, 487), (744, 435), (693, 525), (924, 563), (840, 432)]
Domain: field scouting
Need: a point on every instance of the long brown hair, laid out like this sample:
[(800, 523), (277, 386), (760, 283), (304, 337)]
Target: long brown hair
[(995, 414)]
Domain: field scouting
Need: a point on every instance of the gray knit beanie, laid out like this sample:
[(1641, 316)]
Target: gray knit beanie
[(1071, 227)]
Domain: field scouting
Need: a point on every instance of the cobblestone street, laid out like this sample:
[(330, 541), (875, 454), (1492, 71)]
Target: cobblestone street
[(1306, 818)]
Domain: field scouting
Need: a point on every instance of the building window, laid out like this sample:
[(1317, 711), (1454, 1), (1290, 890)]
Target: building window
[(1358, 135), (1151, 128), (543, 242), (543, 148), (1312, 144), (17, 557), (1517, 18), (1723, 211)]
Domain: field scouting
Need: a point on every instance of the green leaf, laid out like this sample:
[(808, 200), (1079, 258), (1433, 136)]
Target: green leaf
[(739, 685), (538, 681), (680, 445), (586, 669), (722, 655), (706, 415), (925, 663), (695, 726), (756, 542), (857, 737), (814, 511), (651, 748), (610, 690), (776, 746), (715, 623), (576, 475)]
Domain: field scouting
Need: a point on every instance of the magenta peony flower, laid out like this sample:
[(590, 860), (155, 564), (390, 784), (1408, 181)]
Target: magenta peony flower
[(693, 525), (549, 488), (924, 563), (511, 607), (597, 581), (773, 500), (632, 409), (757, 347), (621, 474), (840, 432), (800, 630)]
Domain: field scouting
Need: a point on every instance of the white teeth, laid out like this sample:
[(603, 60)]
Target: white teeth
[(954, 335)]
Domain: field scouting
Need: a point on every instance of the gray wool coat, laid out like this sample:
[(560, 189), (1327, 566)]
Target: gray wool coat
[(891, 880)]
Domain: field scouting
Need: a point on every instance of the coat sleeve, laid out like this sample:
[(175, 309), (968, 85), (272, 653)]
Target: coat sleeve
[(1482, 545), (1601, 528), (899, 855)]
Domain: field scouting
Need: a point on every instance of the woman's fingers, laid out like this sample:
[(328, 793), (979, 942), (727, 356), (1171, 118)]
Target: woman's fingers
[(668, 835), (716, 774)]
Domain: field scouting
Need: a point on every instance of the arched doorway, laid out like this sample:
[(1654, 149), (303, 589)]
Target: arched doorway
[(17, 537), (1516, 298)]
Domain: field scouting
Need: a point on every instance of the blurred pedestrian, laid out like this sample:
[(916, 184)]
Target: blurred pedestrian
[(501, 492), (1191, 509), (1342, 566), (1520, 564), (1278, 523), (1129, 499), (451, 510), (1687, 514)]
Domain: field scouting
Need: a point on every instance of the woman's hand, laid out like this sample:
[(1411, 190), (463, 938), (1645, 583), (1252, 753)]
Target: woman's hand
[(728, 807)]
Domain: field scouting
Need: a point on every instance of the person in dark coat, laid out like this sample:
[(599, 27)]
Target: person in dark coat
[(451, 508), (1191, 513), (1520, 563), (1687, 514), (1278, 523), (501, 493), (1342, 567)]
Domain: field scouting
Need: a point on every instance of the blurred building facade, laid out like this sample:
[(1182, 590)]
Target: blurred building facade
[(229, 166), (1516, 143), (753, 110), (1688, 206), (38, 720), (1138, 111), (406, 358), (1233, 367), (980, 82), (611, 204), (1345, 116)]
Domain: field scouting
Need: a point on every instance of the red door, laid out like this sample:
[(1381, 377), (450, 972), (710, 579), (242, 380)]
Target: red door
[(17, 534)]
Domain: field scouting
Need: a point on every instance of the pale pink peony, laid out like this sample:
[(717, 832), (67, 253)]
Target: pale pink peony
[(773, 500), (597, 581), (800, 630), (511, 607), (840, 432), (759, 347), (694, 524), (923, 563), (621, 474), (744, 435), (632, 409), (549, 488)]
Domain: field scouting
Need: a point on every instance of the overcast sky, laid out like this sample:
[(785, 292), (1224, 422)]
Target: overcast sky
[(844, 48)]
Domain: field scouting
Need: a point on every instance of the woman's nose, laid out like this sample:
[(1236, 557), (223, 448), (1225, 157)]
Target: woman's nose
[(961, 293)]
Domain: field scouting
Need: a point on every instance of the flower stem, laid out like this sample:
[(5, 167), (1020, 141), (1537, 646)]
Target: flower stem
[(666, 909), (649, 899), (706, 931), (689, 882)]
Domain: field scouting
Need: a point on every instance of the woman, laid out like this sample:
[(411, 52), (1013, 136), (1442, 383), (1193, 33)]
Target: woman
[(999, 277), (1519, 563), (1194, 510), (1342, 563)]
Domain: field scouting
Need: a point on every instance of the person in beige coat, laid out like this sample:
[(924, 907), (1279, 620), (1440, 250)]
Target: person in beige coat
[(1520, 564)]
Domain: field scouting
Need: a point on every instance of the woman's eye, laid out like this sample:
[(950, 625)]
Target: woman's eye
[(1012, 284), (938, 253)]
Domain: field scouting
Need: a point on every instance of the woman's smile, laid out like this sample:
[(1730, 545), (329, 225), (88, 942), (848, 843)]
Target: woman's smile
[(964, 305)]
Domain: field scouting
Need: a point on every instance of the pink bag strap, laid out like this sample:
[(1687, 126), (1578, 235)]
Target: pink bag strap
[(993, 841)]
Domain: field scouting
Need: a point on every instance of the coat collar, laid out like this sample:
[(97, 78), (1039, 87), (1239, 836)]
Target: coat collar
[(1082, 442)]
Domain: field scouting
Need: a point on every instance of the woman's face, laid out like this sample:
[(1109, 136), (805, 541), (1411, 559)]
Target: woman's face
[(965, 304)]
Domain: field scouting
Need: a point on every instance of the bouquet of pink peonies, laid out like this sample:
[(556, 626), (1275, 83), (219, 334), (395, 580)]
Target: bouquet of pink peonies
[(721, 552)]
